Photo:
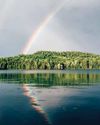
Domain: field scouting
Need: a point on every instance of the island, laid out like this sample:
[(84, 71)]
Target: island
[(49, 60)]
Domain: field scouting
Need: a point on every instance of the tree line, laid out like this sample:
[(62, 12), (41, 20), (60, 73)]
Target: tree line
[(47, 60)]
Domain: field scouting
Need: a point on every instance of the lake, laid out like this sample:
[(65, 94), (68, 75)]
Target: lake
[(50, 97)]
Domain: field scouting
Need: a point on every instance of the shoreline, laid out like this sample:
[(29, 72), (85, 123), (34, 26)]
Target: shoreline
[(85, 71)]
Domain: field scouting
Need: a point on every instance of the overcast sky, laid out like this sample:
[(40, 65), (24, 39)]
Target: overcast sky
[(75, 27)]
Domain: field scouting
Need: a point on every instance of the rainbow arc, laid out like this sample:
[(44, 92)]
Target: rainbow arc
[(40, 28)]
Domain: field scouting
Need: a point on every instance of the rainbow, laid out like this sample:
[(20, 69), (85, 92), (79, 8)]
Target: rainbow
[(45, 22)]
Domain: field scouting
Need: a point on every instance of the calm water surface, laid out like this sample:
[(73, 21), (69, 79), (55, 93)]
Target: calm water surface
[(50, 97)]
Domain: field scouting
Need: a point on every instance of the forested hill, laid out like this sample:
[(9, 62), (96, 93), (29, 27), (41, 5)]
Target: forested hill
[(52, 60)]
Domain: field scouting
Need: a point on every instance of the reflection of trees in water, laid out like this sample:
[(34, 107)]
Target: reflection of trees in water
[(50, 79), (88, 78)]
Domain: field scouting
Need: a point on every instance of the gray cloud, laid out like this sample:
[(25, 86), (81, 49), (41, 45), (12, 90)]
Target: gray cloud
[(75, 27), (78, 24)]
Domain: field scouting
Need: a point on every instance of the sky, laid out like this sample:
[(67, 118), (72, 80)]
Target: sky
[(74, 27)]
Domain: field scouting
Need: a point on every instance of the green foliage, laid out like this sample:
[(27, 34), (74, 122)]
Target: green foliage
[(47, 60)]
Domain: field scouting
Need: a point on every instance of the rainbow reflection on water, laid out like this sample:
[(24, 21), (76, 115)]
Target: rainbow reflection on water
[(30, 93)]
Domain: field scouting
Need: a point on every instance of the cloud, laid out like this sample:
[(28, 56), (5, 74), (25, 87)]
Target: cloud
[(75, 27)]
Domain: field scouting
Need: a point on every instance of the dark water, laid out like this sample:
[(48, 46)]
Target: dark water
[(50, 97)]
